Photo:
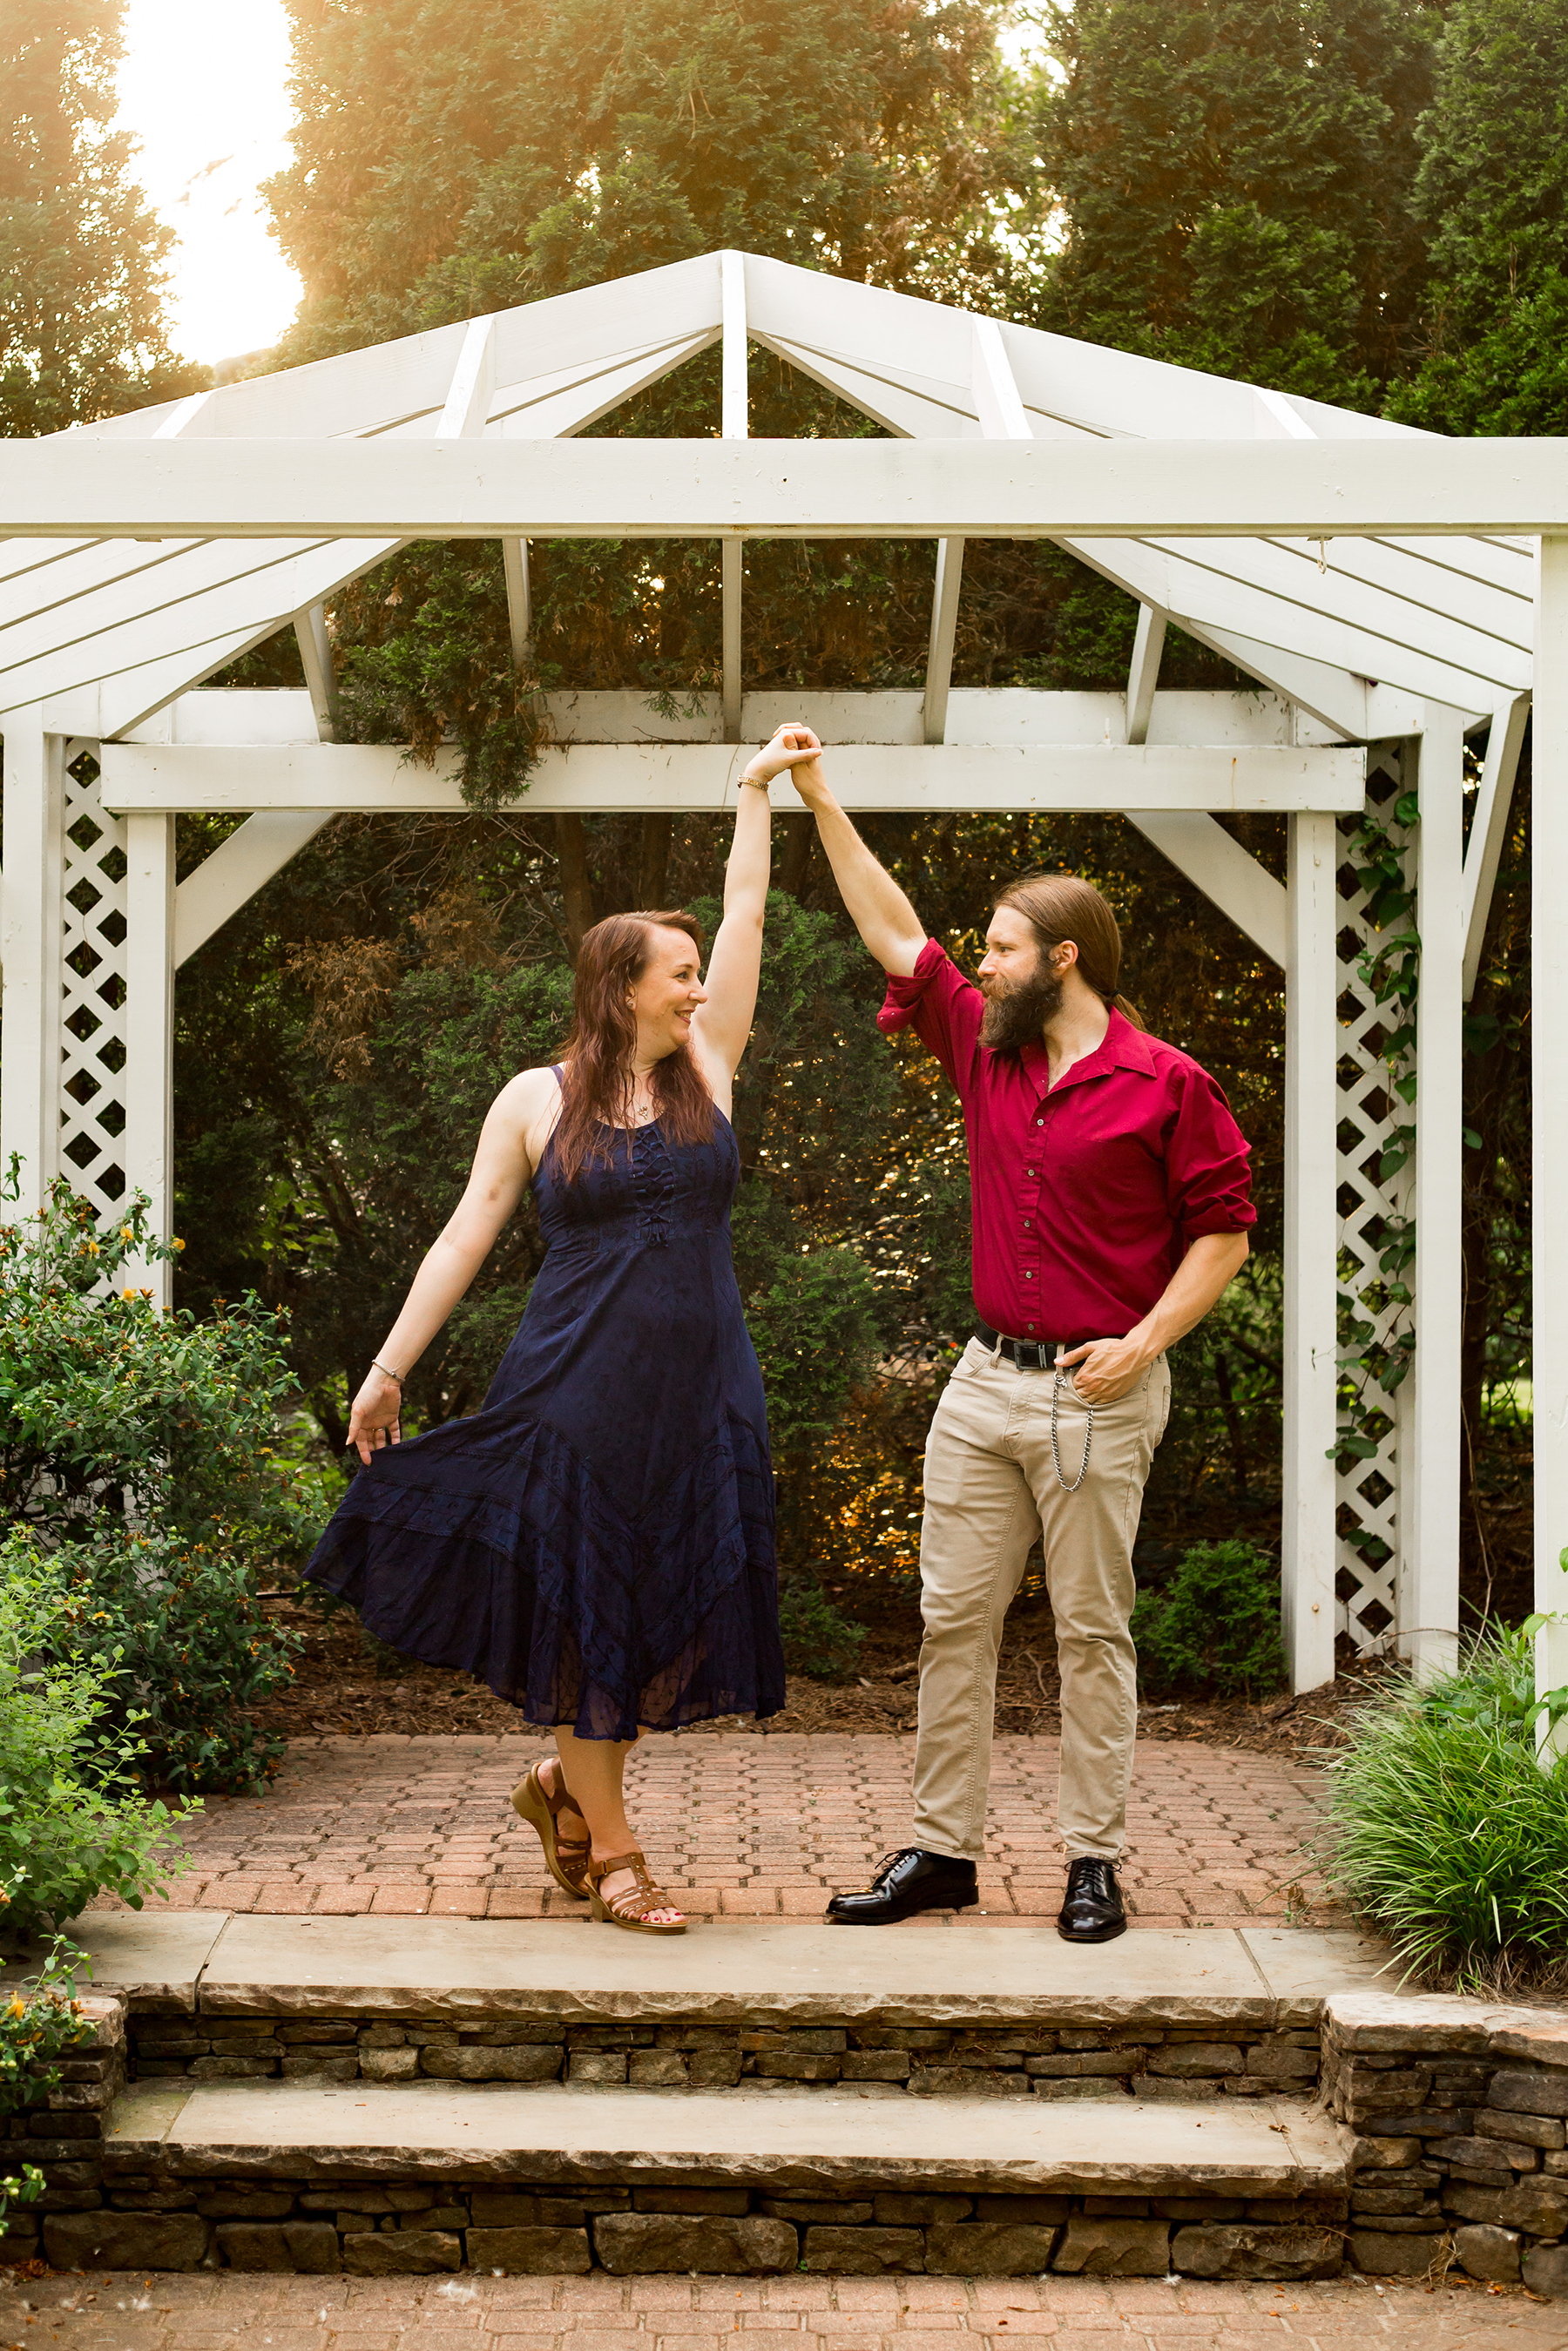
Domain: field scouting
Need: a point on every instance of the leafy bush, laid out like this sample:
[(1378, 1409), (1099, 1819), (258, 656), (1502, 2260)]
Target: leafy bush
[(819, 1638), (111, 1410), (1214, 1627), (70, 1824), (142, 1469), (1449, 1837), (37, 2019), (192, 1647)]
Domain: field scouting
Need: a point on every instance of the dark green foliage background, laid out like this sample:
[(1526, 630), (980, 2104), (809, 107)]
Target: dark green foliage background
[(1364, 204)]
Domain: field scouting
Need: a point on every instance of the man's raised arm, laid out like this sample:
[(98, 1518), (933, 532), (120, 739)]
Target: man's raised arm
[(878, 907)]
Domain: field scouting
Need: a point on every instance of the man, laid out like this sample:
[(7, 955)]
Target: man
[(1111, 1207)]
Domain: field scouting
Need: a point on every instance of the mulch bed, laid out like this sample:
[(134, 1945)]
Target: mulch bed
[(347, 1682)]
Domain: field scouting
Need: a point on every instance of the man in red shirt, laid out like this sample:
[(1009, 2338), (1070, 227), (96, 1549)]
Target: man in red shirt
[(1111, 1207)]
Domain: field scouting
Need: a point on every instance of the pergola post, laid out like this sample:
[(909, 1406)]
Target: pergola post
[(1549, 1047), (1429, 1583), (1311, 1233), (150, 1027), (31, 946)]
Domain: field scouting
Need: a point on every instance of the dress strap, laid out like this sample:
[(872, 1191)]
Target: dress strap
[(556, 1067)]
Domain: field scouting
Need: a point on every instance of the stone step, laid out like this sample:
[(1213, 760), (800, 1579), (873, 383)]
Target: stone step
[(804, 2142), (1265, 1977), (423, 2175)]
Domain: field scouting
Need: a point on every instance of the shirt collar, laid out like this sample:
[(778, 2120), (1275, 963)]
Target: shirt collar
[(1123, 1047)]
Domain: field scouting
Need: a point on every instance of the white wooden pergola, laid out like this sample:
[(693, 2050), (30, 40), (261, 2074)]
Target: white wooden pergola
[(1385, 588)]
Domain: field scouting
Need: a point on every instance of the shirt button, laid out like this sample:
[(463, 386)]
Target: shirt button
[(1027, 1226), (1029, 1277), (1039, 1122), (1029, 1326), (1029, 1171)]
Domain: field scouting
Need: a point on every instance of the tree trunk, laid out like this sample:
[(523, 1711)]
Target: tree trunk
[(652, 873), (576, 881), (794, 861)]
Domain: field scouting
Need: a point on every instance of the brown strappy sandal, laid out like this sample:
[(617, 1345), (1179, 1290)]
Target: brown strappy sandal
[(567, 1857), (631, 1910)]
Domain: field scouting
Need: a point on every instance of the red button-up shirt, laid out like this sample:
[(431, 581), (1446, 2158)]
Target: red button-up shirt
[(1088, 1193)]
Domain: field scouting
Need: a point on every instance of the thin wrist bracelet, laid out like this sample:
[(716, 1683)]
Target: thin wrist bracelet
[(758, 783), (396, 1377)]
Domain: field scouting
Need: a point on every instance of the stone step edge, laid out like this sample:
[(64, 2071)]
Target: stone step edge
[(817, 2142), (240, 1964)]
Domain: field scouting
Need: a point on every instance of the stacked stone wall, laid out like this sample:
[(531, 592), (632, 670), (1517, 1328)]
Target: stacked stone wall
[(1462, 2150), (394, 2229), (1176, 2064)]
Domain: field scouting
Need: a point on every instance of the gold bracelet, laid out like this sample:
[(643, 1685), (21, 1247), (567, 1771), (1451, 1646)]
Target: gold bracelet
[(758, 783), (395, 1377)]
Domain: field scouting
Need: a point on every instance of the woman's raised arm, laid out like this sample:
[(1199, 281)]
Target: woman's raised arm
[(723, 1024)]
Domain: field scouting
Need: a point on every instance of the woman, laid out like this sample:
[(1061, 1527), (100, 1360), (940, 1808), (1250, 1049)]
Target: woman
[(597, 1541)]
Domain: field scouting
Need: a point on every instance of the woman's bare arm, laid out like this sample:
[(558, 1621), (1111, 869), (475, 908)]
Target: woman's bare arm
[(723, 1024), (510, 1141)]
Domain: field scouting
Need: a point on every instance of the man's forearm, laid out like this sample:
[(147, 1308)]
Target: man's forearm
[(877, 906), (1198, 1283)]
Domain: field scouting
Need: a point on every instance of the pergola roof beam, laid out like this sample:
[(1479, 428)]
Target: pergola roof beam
[(689, 777), (1227, 874), (1488, 829), (733, 426), (1142, 677), (76, 485)]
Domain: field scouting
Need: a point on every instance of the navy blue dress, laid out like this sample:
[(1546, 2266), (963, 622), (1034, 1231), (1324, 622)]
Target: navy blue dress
[(597, 1541)]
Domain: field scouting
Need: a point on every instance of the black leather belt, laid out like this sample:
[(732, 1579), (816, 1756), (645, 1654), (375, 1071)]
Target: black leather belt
[(1029, 1354)]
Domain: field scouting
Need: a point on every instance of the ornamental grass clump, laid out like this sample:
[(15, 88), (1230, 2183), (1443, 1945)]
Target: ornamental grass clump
[(1447, 1834)]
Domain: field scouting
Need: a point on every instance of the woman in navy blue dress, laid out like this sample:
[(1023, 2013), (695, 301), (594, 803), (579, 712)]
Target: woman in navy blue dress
[(597, 1541)]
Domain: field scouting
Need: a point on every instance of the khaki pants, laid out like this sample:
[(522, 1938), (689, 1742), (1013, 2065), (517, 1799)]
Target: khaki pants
[(990, 1489)]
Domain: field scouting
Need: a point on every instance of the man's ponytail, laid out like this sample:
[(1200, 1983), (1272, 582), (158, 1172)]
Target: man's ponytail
[(1060, 907)]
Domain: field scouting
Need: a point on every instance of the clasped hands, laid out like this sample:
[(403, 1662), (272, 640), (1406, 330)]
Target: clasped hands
[(793, 744)]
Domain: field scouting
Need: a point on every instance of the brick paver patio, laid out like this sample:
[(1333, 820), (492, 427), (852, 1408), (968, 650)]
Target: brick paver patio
[(742, 1826), (115, 2312)]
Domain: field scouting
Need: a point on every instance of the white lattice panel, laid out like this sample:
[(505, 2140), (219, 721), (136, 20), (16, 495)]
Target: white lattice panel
[(1374, 1209), (92, 1006)]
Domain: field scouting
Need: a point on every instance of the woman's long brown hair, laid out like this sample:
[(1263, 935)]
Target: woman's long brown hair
[(596, 1078)]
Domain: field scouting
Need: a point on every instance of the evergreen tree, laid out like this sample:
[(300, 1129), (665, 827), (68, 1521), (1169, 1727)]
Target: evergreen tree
[(82, 328), (1493, 190), (1226, 184), (449, 162)]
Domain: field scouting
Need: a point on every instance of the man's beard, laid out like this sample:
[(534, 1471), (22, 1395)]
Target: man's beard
[(1016, 1017)]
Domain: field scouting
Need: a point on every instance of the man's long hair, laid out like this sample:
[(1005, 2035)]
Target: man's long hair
[(1059, 907), (596, 1075)]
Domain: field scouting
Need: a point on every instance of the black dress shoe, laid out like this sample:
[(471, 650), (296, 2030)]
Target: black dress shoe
[(905, 1883), (1092, 1912)]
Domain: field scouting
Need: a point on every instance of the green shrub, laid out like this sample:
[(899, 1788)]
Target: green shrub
[(1449, 1836), (38, 2017), (194, 1649), (71, 1824), (1214, 1627), (819, 1638), (110, 1411), (140, 1459)]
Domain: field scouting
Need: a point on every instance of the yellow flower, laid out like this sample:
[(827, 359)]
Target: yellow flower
[(128, 1293), (126, 1234), (18, 2007), (179, 1245)]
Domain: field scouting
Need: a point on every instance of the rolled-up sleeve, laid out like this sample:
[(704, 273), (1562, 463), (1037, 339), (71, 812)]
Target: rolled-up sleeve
[(1208, 1175), (943, 1007)]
